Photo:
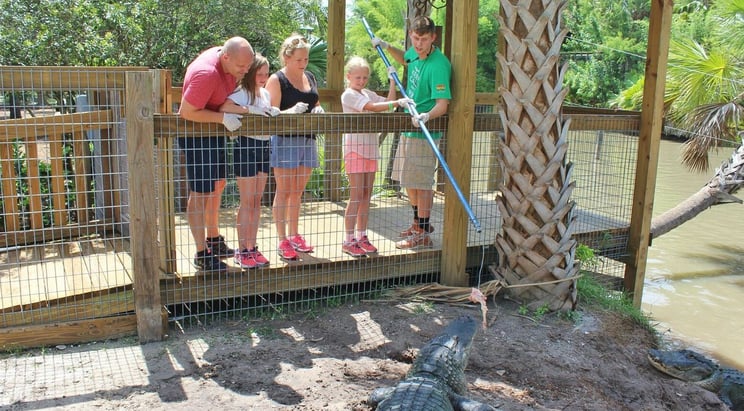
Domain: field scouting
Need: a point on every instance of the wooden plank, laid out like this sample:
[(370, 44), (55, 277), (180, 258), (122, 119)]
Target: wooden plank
[(81, 167), (34, 184), (73, 332), (205, 287), (167, 210), (456, 219), (57, 186), (652, 123), (63, 78), (32, 236), (172, 126), (335, 80), (10, 195), (27, 128), (143, 216)]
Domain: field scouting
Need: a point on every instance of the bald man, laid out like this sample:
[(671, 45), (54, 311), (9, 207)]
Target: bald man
[(209, 79)]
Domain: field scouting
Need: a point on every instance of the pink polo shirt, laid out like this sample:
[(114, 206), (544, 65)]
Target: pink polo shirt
[(206, 85)]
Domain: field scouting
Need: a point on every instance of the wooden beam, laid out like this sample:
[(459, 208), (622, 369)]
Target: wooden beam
[(335, 77), (73, 332), (142, 215), (460, 138), (63, 78), (29, 128), (652, 122)]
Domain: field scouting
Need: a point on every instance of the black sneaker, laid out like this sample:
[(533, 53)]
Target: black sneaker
[(206, 261), (219, 248)]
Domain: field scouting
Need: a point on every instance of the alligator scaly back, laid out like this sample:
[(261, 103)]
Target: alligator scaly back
[(436, 380), (694, 367)]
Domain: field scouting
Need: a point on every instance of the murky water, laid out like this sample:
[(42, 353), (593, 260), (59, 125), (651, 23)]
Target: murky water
[(695, 273)]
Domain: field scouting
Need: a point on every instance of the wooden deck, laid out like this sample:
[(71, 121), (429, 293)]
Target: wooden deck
[(91, 277)]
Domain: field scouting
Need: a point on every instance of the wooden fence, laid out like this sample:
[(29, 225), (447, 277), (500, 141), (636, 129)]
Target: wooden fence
[(131, 117)]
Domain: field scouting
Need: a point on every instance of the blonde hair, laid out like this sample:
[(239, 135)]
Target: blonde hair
[(354, 63), (292, 43)]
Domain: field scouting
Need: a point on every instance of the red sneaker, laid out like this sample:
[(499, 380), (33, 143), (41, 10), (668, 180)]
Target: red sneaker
[(352, 248), (286, 251), (244, 259), (300, 245), (365, 245), (260, 259)]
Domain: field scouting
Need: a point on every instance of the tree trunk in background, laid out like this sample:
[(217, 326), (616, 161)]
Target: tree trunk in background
[(719, 190), (536, 244)]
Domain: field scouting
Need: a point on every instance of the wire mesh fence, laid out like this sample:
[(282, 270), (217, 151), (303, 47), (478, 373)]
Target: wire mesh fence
[(63, 184), (66, 227)]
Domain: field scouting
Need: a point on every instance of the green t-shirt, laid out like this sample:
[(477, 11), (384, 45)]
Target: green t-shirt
[(428, 80)]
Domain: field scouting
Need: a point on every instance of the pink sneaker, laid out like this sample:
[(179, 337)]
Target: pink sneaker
[(244, 259), (365, 245), (260, 259), (300, 245), (352, 248), (286, 251)]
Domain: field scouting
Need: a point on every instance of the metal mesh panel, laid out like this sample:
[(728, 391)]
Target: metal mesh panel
[(64, 241)]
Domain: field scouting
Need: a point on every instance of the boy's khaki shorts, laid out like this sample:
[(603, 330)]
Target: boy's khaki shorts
[(415, 163)]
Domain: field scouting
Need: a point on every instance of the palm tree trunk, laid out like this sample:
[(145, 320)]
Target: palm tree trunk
[(719, 190), (535, 247)]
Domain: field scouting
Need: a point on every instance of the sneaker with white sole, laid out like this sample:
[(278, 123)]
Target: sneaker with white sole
[(416, 241), (412, 230), (260, 259), (299, 244), (352, 248), (219, 248), (286, 251), (245, 259), (365, 245)]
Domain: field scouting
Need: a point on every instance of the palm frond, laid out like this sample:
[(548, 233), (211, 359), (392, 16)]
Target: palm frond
[(711, 125)]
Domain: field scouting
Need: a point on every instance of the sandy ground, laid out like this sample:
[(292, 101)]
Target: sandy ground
[(333, 359)]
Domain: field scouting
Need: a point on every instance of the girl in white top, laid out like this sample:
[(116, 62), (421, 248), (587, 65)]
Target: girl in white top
[(361, 154), (251, 160)]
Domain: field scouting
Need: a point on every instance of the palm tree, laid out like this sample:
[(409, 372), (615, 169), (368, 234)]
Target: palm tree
[(705, 96), (536, 244)]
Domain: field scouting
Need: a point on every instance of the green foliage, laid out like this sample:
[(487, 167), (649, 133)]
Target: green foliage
[(158, 34), (605, 47), (586, 255), (592, 293)]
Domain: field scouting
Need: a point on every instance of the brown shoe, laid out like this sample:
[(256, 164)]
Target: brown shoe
[(418, 240), (412, 230)]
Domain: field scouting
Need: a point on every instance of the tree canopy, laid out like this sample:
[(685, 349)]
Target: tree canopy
[(152, 33)]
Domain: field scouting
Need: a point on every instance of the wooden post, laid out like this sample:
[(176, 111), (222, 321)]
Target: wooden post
[(335, 82), (652, 119), (166, 150), (460, 134), (143, 204)]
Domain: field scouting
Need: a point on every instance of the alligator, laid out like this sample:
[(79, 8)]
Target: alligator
[(694, 367), (436, 380)]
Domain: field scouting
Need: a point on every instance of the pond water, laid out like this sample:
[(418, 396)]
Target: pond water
[(694, 283)]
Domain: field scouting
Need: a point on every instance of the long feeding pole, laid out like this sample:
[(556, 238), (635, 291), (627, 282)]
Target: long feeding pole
[(412, 110)]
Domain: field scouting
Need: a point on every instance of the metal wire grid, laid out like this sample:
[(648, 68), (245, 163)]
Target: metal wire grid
[(604, 172), (322, 224), (61, 188)]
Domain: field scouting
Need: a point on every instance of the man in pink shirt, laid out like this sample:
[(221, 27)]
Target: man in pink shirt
[(209, 79)]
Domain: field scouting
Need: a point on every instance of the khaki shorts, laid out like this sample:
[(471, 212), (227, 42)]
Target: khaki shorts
[(415, 163)]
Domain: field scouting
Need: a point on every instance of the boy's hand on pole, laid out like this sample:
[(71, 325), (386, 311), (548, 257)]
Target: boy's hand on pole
[(420, 119), (376, 41)]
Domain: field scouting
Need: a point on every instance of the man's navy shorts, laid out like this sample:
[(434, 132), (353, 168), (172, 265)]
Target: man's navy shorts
[(205, 161)]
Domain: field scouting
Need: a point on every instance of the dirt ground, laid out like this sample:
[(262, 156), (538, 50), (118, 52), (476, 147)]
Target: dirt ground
[(332, 359)]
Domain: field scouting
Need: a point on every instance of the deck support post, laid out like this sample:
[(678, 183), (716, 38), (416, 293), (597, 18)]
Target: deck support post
[(143, 204), (460, 149), (649, 139)]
